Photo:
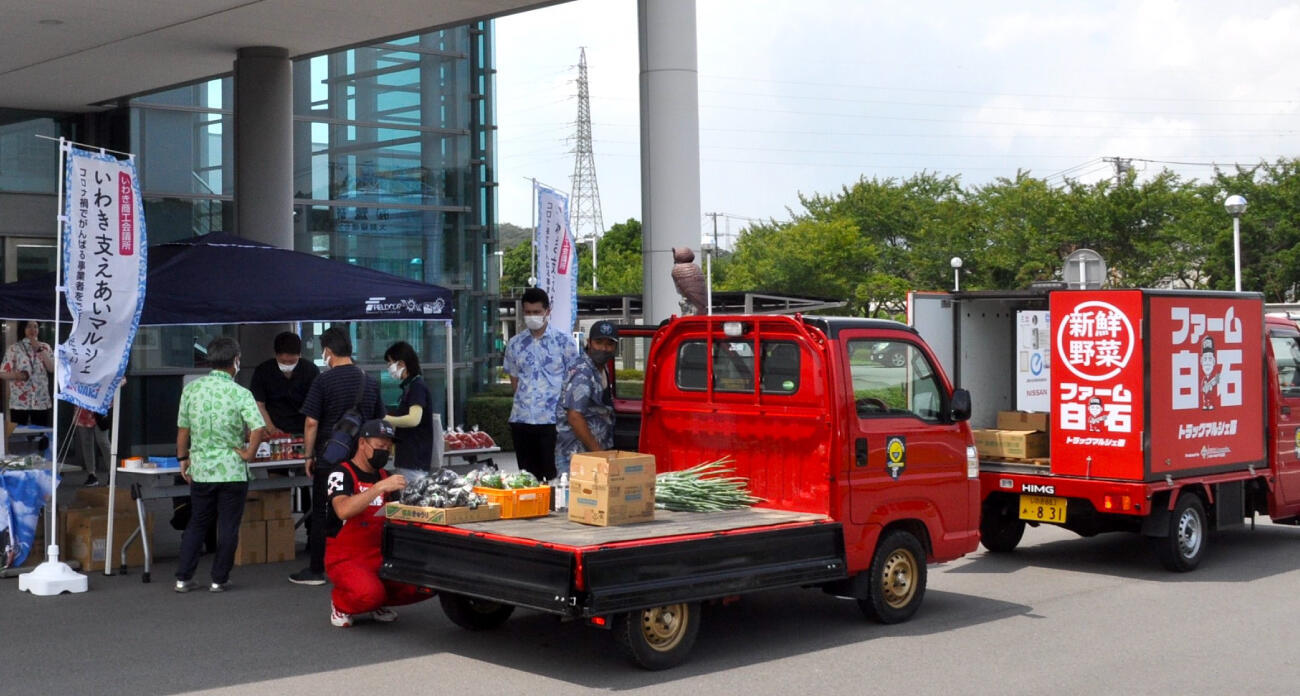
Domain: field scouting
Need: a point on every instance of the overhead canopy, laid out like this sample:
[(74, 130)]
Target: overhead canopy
[(221, 279)]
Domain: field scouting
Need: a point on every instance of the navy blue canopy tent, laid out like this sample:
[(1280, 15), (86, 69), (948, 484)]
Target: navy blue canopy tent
[(221, 279)]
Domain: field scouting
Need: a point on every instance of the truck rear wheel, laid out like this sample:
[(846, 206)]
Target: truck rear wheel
[(474, 614), (659, 637), (1000, 532), (895, 583), (1184, 546)]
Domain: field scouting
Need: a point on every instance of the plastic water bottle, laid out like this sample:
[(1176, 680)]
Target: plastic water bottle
[(560, 494)]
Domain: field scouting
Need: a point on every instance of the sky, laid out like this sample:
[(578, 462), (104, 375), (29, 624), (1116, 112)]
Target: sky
[(810, 96)]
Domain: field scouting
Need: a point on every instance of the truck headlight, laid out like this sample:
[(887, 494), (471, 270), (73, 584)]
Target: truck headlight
[(972, 462)]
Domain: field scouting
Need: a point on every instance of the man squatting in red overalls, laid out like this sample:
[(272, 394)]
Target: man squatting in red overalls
[(357, 491)]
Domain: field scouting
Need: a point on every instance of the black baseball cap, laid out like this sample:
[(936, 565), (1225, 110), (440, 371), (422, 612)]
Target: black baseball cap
[(604, 329), (377, 428)]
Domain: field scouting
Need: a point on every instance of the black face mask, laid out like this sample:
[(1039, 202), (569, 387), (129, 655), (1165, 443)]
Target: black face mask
[(379, 459), (600, 357)]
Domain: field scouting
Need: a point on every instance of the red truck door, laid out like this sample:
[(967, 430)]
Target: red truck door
[(1285, 342), (902, 450)]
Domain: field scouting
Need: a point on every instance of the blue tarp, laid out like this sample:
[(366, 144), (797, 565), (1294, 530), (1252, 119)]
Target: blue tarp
[(221, 279)]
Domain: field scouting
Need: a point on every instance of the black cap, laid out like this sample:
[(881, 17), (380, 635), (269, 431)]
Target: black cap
[(604, 329), (377, 428)]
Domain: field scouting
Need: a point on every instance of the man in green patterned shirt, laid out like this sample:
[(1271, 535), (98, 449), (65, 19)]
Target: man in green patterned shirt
[(216, 418)]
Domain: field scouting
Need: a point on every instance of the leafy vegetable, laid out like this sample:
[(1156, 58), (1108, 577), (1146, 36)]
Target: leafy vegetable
[(706, 487)]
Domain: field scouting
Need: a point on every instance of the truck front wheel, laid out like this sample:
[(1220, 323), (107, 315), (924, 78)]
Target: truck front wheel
[(1181, 550), (474, 614), (659, 637), (895, 583), (1000, 531)]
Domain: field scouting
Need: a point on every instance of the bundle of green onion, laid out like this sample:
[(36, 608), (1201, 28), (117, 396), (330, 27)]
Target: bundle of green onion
[(707, 487)]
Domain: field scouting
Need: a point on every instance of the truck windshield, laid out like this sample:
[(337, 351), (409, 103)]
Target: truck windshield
[(893, 378), (1286, 350)]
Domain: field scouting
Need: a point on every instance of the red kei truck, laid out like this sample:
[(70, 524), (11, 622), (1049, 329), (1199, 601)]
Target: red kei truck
[(1172, 413), (867, 472)]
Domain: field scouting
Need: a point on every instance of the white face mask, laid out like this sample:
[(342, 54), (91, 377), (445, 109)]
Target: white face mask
[(236, 364), (534, 322), (286, 368), (396, 371), (325, 359)]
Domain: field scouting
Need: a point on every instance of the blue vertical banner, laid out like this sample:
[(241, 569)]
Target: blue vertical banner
[(103, 273), (557, 257)]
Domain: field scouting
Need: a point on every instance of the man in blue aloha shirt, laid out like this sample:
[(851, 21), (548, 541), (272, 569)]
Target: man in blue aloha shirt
[(585, 415), (537, 361)]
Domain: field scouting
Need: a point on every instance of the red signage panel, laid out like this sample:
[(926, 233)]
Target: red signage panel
[(1097, 384)]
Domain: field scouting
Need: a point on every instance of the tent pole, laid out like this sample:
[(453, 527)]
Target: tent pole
[(451, 383), (112, 480)]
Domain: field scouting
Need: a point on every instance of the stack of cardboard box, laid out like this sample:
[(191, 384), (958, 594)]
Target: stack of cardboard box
[(611, 488), (85, 525), (266, 533), (1019, 435)]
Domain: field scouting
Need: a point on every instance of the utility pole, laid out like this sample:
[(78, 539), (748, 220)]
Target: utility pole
[(715, 217), (586, 192), (1122, 165)]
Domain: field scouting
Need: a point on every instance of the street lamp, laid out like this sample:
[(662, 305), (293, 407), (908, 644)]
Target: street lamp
[(707, 249), (1236, 205), (956, 273)]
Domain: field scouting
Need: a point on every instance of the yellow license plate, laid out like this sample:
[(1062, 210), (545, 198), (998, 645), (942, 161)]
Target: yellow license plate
[(1041, 508)]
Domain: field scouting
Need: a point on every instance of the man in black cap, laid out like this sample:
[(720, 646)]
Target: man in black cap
[(585, 415), (357, 491)]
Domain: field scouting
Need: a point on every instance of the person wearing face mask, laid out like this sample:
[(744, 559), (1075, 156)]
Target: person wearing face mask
[(537, 361), (280, 386), (26, 367), (585, 413), (211, 422), (339, 387), (413, 417), (357, 492)]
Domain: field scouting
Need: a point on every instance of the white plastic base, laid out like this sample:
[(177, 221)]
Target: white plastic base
[(52, 578)]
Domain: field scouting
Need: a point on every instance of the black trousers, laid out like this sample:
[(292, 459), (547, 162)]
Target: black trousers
[(535, 448), (316, 518), (219, 503)]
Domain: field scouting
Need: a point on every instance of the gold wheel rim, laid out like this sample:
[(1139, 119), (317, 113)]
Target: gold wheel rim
[(899, 578), (663, 627)]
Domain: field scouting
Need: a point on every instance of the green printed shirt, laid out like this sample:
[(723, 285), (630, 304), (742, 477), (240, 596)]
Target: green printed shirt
[(217, 410)]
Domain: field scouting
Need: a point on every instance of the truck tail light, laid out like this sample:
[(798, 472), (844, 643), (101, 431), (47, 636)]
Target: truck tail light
[(1124, 502), (972, 462)]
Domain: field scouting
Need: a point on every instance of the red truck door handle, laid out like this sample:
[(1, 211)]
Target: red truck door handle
[(861, 447)]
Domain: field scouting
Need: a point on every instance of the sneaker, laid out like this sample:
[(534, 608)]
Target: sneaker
[(92, 481), (384, 615), (219, 586), (186, 585), (338, 618), (307, 577)]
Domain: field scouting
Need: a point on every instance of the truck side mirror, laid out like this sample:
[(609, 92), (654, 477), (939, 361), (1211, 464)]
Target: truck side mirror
[(960, 408)]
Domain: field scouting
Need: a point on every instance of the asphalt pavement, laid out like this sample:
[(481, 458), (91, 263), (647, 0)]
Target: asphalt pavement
[(1061, 615)]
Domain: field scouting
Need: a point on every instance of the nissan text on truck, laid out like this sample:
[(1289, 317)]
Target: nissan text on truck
[(1172, 413), (866, 471)]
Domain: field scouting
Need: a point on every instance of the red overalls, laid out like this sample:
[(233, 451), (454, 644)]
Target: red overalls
[(353, 557)]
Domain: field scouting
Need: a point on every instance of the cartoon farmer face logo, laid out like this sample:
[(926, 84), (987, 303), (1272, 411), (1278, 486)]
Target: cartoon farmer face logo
[(896, 456), (1096, 415), (1209, 375)]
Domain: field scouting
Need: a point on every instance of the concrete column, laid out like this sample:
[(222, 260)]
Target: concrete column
[(263, 105), (670, 146)]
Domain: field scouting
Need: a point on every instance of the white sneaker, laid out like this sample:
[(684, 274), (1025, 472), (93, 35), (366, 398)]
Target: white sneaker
[(186, 585), (384, 615), (338, 618)]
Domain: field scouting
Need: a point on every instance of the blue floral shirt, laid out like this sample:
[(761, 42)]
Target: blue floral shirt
[(540, 365), (586, 390)]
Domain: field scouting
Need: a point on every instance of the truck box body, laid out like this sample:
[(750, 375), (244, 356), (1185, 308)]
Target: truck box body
[(1148, 385)]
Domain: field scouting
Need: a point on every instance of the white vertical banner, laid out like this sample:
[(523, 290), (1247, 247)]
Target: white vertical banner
[(103, 274), (1033, 361), (557, 257)]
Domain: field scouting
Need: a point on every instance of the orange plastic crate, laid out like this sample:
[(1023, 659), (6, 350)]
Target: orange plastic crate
[(519, 502)]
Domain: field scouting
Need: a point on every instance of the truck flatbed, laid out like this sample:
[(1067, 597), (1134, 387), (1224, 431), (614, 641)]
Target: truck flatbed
[(575, 570)]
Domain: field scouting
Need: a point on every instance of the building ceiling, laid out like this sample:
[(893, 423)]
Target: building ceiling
[(70, 55)]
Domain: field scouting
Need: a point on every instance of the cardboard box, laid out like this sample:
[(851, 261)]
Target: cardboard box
[(1011, 444), (604, 504), (1023, 420), (252, 510), (280, 537), (276, 505), (86, 531), (614, 466), (451, 516), (252, 544), (98, 498)]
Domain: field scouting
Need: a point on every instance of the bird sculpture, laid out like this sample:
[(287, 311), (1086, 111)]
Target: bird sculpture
[(690, 282)]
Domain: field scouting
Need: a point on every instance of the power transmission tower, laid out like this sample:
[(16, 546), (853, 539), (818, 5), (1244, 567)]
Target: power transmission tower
[(1122, 166), (588, 225)]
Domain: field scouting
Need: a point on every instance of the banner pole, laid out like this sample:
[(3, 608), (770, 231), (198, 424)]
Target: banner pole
[(532, 239)]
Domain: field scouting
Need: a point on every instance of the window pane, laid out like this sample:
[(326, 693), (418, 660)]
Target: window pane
[(893, 378), (780, 367)]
